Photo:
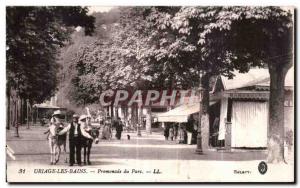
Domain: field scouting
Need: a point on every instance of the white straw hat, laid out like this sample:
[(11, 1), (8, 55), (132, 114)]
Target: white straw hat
[(56, 112), (82, 117)]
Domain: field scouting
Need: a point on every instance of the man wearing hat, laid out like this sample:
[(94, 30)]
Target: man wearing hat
[(55, 120), (76, 131)]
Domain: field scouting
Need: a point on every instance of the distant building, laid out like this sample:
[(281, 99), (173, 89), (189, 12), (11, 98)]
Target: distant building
[(241, 104), (45, 109)]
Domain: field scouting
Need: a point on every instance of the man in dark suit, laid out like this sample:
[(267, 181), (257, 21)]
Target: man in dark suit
[(119, 128), (75, 137)]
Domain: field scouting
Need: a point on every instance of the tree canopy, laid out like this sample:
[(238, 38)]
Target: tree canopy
[(169, 46), (147, 48), (34, 36)]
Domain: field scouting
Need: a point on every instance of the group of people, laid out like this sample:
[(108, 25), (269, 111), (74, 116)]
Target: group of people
[(81, 134), (177, 133), (183, 133), (186, 133), (171, 132), (112, 124), (78, 131)]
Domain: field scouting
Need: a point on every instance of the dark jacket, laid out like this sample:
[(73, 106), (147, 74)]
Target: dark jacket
[(72, 131), (119, 127)]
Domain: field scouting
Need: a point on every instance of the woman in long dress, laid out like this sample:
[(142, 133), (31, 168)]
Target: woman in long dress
[(181, 135), (171, 133), (106, 133)]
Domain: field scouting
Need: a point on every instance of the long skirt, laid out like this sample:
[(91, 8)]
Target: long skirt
[(106, 134)]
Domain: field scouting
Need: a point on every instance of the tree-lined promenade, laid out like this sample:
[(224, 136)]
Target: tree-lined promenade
[(140, 153), (143, 48)]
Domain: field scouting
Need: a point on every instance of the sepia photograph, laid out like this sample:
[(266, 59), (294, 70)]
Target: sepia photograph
[(150, 94)]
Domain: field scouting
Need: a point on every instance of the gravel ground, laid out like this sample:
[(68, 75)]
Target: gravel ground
[(175, 162)]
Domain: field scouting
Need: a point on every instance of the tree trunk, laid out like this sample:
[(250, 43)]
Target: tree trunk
[(138, 120), (148, 120), (205, 115), (124, 111), (27, 113), (8, 108), (107, 111), (133, 116), (112, 111), (116, 112), (277, 72), (140, 116), (203, 122)]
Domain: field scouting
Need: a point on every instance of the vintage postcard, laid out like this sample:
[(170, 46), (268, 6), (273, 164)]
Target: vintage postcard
[(150, 94)]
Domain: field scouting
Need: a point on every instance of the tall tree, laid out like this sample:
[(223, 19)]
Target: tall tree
[(222, 39), (247, 36), (170, 46), (34, 36), (179, 46), (227, 38), (110, 62), (264, 35)]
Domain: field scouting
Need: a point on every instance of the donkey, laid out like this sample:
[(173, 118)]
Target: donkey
[(55, 142), (87, 144)]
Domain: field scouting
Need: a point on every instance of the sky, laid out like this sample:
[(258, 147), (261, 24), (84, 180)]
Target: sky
[(96, 9), (99, 9)]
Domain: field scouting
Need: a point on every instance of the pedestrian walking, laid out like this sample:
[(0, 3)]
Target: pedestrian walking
[(166, 132), (119, 129), (55, 120), (175, 131), (76, 131), (181, 135), (106, 133), (171, 133), (185, 136), (191, 132), (56, 141), (128, 125)]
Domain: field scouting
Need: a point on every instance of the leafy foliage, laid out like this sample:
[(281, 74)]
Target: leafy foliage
[(168, 47), (34, 36)]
